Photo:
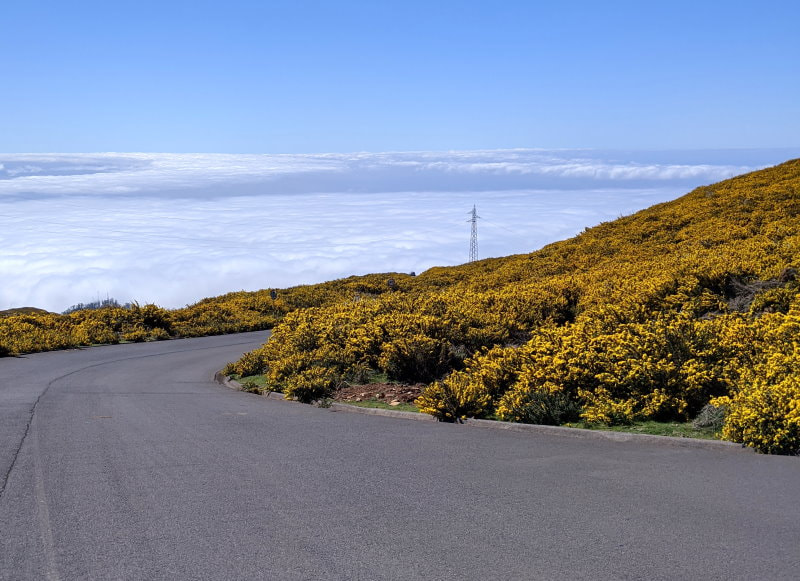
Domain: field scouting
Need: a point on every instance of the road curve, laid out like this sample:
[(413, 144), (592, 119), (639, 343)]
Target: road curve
[(129, 462)]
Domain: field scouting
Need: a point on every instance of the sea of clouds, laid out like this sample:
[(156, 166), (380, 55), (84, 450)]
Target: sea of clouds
[(174, 228)]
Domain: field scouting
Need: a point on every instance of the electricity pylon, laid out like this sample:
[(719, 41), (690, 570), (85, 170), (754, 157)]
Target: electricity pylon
[(473, 239)]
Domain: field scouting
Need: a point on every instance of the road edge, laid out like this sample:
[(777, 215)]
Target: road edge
[(563, 431)]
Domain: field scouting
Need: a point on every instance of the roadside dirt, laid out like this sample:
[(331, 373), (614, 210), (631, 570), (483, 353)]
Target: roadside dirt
[(385, 392)]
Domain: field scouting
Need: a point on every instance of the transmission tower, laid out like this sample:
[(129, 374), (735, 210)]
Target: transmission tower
[(473, 239)]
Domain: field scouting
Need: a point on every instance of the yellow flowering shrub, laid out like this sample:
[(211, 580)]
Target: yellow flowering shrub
[(414, 358), (602, 408), (472, 391), (92, 332), (251, 363), (311, 384), (547, 404), (455, 399), (763, 409), (764, 416)]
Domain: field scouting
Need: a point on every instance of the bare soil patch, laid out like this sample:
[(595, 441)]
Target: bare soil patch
[(385, 392)]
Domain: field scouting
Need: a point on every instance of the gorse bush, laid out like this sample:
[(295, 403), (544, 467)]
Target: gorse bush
[(415, 358), (763, 408), (29, 330), (455, 399), (111, 324), (251, 363), (473, 391), (540, 406), (92, 332), (311, 384)]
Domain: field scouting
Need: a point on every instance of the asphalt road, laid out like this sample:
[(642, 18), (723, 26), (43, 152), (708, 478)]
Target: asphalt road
[(129, 462)]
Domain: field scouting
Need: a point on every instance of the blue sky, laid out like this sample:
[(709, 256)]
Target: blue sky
[(301, 77), (551, 117)]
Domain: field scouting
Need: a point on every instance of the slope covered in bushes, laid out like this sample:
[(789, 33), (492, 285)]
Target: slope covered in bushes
[(656, 315), (30, 330), (651, 316)]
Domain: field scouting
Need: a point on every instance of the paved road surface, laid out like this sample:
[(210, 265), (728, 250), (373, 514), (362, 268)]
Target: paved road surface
[(129, 462)]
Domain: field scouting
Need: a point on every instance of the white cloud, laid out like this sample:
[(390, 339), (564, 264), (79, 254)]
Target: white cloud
[(173, 228), (227, 174), (585, 169)]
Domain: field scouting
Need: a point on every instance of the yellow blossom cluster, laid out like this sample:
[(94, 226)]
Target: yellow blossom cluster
[(763, 408), (27, 333)]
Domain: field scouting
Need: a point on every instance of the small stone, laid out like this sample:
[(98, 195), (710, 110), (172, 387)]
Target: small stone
[(357, 399), (394, 402)]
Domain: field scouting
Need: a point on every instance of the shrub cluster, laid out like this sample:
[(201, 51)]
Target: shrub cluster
[(27, 333), (29, 330)]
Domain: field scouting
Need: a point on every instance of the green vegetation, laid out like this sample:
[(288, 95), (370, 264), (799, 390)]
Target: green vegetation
[(252, 383), (649, 318), (674, 429)]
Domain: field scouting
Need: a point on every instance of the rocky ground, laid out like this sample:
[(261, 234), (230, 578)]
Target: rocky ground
[(384, 392)]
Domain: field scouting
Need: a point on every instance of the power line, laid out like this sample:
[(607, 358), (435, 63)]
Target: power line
[(473, 239)]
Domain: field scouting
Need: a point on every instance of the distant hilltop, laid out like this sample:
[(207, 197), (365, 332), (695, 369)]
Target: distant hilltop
[(23, 311)]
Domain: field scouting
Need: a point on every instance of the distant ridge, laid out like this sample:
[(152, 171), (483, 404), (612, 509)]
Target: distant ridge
[(23, 311)]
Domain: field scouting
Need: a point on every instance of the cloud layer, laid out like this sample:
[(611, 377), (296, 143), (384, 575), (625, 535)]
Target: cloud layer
[(174, 228), (223, 175)]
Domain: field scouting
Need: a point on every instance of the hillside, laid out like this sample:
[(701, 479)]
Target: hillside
[(651, 316), (22, 311), (686, 308), (30, 330)]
